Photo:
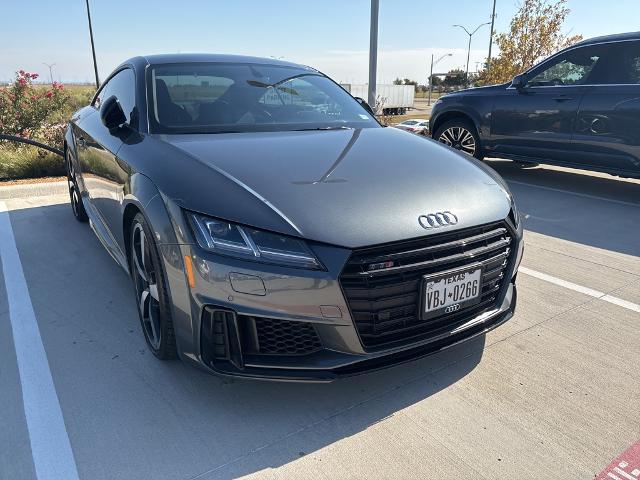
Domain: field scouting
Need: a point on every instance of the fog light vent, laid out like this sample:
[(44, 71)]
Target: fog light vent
[(215, 334)]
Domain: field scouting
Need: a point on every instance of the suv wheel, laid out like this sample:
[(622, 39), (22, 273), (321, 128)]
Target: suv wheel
[(461, 135), (151, 293)]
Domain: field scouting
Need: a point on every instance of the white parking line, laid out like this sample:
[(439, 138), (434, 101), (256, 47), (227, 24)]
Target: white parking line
[(50, 447), (577, 194), (579, 288)]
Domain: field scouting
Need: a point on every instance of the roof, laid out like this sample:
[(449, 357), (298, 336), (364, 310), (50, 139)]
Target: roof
[(610, 38), (214, 57)]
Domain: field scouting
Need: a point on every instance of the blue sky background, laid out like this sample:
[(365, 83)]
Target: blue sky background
[(331, 35)]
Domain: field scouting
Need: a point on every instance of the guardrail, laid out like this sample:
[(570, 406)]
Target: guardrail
[(28, 141)]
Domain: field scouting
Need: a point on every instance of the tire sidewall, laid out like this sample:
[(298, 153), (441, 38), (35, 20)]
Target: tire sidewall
[(79, 212), (167, 349)]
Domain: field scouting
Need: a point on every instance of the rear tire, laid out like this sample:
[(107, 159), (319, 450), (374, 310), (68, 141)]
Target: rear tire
[(74, 192), (460, 134), (152, 297)]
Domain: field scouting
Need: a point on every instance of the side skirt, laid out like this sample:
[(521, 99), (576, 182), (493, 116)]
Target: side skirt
[(103, 234)]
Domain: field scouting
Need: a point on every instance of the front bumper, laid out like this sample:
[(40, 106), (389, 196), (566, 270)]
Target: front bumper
[(328, 365), (243, 293)]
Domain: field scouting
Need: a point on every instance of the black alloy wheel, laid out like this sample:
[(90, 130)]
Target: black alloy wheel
[(151, 293), (74, 192)]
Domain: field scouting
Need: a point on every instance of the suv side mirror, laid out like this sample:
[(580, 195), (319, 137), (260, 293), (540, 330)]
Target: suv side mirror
[(365, 105), (518, 82), (111, 113)]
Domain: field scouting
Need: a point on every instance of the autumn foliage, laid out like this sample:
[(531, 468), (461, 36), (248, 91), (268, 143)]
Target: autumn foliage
[(535, 33)]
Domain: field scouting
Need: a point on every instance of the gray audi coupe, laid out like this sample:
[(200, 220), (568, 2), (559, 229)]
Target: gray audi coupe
[(274, 229)]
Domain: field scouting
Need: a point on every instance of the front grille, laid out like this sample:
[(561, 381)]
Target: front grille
[(385, 302), (282, 337)]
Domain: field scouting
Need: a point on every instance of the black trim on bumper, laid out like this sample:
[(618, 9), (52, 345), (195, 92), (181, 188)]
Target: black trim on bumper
[(348, 365)]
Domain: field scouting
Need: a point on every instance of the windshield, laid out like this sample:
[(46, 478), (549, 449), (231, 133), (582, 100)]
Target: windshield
[(223, 97)]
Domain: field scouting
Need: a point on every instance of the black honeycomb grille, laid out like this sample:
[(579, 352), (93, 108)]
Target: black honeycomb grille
[(282, 337), (385, 304)]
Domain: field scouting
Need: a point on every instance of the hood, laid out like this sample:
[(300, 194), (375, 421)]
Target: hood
[(486, 90), (344, 187)]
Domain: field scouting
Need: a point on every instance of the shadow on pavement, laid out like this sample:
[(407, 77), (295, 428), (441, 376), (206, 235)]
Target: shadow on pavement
[(578, 206), (131, 416)]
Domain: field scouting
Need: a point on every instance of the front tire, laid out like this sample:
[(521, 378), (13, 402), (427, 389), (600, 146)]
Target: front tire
[(460, 134), (153, 301)]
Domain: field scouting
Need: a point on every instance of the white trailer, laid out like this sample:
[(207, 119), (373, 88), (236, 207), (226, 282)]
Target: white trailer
[(391, 99)]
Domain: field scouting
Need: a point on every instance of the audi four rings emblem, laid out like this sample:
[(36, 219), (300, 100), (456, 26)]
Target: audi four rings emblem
[(437, 220), (452, 308)]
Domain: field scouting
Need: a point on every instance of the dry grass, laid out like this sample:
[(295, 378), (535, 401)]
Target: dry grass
[(28, 162)]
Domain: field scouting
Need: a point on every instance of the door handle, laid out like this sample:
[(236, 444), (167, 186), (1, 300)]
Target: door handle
[(562, 98), (81, 142)]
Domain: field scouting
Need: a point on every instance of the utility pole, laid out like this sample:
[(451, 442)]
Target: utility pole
[(50, 65), (373, 53), (93, 48), (431, 73), (493, 17), (469, 49)]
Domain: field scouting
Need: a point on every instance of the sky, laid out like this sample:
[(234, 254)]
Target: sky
[(330, 35)]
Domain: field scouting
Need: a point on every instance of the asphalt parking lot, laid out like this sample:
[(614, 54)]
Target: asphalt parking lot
[(551, 394)]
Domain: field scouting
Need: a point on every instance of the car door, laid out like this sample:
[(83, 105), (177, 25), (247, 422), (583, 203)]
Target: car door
[(537, 119), (104, 176), (608, 126)]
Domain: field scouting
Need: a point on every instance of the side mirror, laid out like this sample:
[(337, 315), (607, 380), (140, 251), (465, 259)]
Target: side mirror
[(518, 82), (111, 113), (365, 105)]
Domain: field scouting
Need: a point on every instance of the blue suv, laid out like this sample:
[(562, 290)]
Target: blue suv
[(579, 108)]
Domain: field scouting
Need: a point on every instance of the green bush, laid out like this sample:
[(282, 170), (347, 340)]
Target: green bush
[(29, 162), (38, 113)]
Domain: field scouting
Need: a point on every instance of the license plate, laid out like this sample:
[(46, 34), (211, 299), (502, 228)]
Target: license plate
[(450, 291)]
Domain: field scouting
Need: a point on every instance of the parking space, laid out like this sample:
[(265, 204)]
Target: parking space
[(550, 394)]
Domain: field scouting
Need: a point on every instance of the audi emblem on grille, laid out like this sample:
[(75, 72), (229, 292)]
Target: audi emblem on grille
[(437, 220), (452, 308)]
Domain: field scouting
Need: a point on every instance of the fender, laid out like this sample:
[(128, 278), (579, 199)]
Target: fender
[(142, 195), (481, 127)]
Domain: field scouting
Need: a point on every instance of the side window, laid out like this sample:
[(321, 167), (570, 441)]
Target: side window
[(622, 66), (123, 86), (572, 68)]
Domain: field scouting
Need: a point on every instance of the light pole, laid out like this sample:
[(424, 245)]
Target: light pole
[(493, 17), (431, 73), (469, 49), (373, 53), (93, 48), (50, 65)]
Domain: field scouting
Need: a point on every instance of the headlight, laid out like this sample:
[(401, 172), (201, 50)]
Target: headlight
[(249, 243)]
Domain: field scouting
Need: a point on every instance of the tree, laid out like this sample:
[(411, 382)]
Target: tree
[(406, 81), (454, 78), (534, 33)]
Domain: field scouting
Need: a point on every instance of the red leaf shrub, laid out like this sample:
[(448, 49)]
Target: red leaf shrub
[(33, 111)]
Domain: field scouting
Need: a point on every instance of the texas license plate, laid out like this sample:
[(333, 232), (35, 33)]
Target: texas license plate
[(450, 291)]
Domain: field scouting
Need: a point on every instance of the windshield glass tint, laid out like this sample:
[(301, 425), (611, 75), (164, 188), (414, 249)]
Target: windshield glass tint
[(222, 97)]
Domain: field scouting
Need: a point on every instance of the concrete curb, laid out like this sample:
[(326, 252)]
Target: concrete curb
[(29, 190)]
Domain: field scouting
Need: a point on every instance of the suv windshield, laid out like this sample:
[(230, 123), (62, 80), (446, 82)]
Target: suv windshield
[(224, 97)]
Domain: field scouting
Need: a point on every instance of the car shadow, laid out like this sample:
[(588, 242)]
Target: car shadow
[(574, 205), (120, 403)]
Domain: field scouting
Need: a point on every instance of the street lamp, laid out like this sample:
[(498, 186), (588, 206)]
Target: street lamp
[(50, 65), (431, 73), (469, 49)]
